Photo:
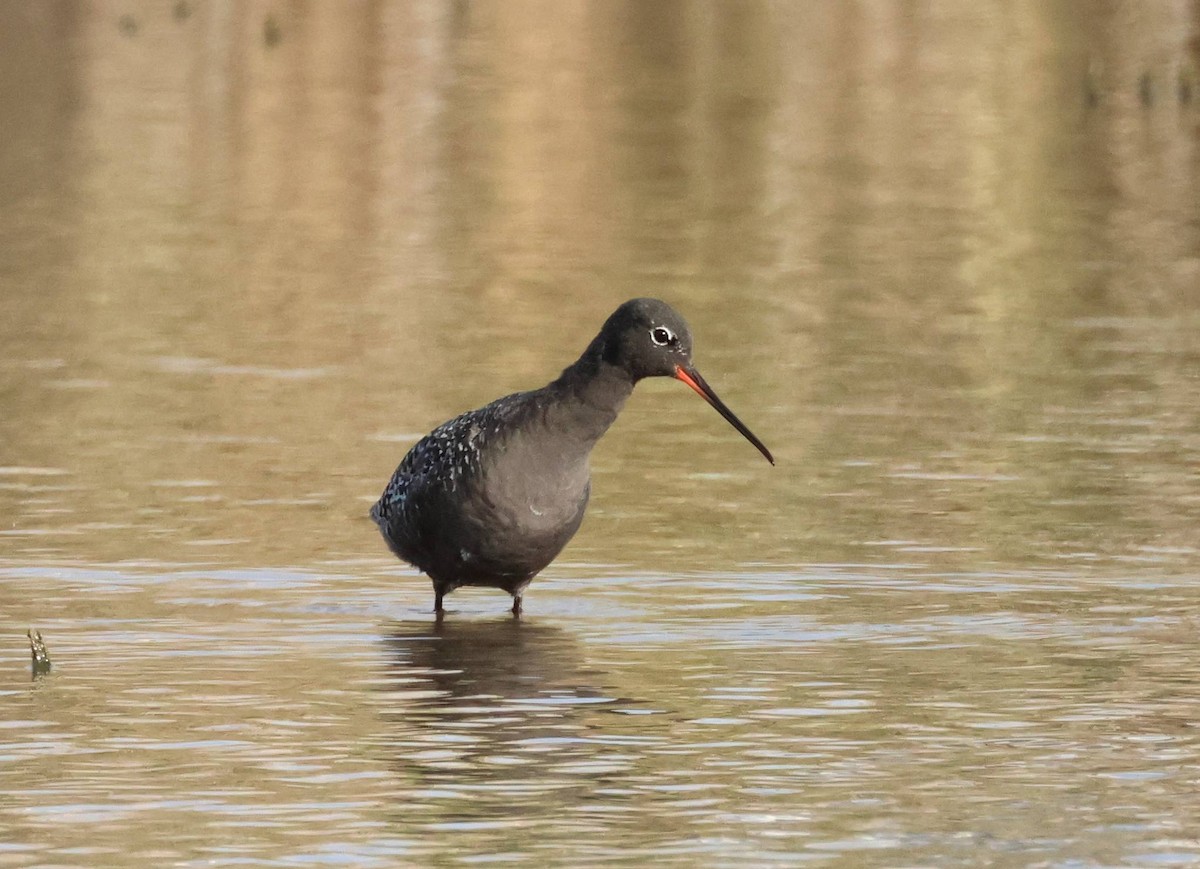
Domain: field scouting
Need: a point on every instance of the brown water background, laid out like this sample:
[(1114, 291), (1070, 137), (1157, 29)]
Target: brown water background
[(944, 258)]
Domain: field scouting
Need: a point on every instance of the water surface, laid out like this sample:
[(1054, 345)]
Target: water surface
[(943, 260)]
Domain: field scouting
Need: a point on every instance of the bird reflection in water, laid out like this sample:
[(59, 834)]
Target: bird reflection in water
[(502, 701), (494, 722), (491, 663)]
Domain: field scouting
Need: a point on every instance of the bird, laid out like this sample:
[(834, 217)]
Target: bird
[(491, 497)]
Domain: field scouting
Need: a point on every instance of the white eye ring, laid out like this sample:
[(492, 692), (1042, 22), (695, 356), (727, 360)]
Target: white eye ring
[(662, 336)]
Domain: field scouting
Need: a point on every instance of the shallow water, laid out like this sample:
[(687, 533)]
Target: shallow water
[(879, 714), (942, 260)]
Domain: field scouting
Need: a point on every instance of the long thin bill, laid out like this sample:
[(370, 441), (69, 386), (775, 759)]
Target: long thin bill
[(692, 378)]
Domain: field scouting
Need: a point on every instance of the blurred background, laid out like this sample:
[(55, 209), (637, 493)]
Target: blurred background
[(944, 258)]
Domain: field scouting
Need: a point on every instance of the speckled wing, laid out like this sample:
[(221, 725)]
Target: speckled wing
[(446, 459)]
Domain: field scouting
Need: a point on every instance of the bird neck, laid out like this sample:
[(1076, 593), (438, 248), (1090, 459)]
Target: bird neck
[(589, 394)]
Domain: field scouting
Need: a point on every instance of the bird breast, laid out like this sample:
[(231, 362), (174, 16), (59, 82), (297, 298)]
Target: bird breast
[(534, 493)]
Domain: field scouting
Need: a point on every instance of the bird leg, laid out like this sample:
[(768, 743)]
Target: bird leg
[(516, 607), (438, 611)]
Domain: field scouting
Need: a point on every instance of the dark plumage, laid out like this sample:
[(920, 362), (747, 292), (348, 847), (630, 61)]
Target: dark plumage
[(492, 496)]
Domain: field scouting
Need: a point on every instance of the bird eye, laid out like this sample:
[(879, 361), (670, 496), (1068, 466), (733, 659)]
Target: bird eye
[(661, 336)]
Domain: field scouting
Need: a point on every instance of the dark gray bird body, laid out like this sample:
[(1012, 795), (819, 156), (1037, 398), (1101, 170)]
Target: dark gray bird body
[(491, 497)]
